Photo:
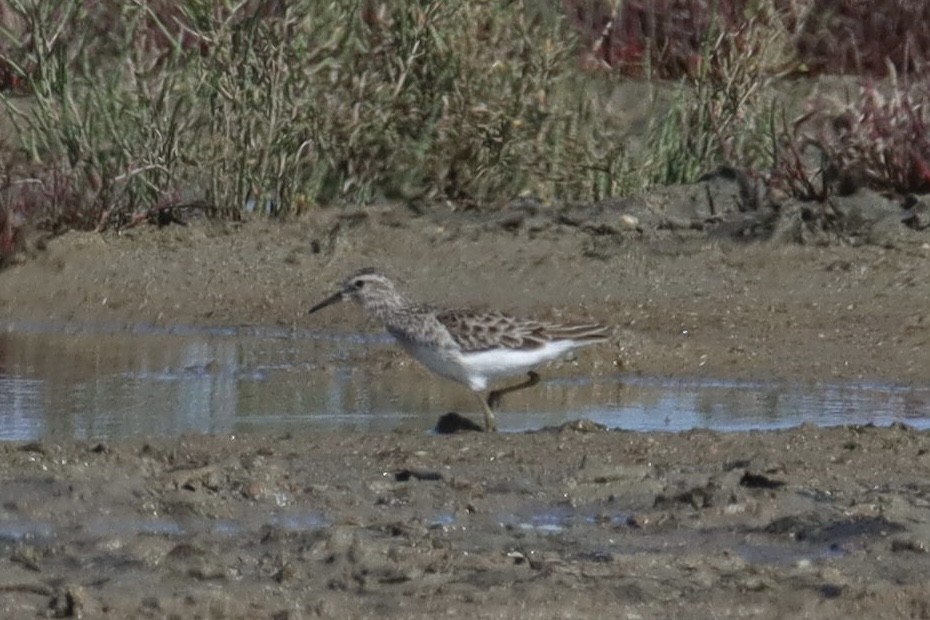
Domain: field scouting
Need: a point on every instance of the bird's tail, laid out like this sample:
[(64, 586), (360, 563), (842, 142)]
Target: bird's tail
[(588, 333)]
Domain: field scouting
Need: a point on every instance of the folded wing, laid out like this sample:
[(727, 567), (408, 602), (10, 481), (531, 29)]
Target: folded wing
[(480, 331)]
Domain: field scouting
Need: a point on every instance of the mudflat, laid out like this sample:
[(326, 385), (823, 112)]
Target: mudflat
[(575, 521)]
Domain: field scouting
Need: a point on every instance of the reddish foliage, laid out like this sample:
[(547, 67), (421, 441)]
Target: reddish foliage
[(9, 78), (830, 36), (664, 37), (863, 37), (881, 141)]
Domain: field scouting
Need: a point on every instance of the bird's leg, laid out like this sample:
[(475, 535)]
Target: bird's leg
[(495, 396), (490, 424)]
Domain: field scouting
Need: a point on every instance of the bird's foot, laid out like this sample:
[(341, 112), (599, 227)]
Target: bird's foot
[(494, 397)]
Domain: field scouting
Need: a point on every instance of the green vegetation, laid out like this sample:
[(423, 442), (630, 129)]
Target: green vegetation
[(123, 111), (316, 104), (722, 112)]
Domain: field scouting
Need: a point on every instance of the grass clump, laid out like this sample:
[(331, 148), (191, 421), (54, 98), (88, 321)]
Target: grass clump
[(721, 114), (730, 57), (104, 128), (278, 107), (126, 112)]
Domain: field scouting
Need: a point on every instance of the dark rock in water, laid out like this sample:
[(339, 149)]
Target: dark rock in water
[(405, 475), (818, 528), (453, 422), (829, 590), (759, 481)]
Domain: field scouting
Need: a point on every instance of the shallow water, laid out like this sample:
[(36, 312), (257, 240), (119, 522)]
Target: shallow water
[(110, 382), (759, 549)]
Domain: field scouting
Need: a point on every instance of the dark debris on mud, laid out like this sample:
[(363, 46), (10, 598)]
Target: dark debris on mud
[(726, 204), (790, 523)]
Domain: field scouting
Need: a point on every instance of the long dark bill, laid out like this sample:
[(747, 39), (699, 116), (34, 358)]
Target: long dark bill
[(335, 298)]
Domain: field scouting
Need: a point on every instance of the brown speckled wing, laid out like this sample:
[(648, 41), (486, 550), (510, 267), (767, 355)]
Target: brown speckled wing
[(480, 331)]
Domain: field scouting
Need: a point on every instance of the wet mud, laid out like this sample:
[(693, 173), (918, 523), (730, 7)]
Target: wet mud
[(576, 520), (571, 521)]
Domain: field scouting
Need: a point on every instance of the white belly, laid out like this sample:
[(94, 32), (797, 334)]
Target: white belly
[(476, 369)]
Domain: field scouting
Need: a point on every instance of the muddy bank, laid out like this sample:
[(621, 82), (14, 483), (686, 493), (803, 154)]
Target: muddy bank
[(578, 521), (843, 298), (572, 522)]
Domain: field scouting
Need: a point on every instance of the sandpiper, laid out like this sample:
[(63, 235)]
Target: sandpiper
[(467, 346)]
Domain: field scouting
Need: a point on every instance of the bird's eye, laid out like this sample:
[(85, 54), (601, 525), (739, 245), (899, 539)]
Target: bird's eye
[(359, 284)]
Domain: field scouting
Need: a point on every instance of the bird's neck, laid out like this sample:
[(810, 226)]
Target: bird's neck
[(388, 309)]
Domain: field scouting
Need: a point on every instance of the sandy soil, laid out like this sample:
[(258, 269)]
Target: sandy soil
[(571, 522)]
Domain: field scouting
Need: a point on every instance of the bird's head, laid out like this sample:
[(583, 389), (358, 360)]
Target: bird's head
[(368, 287)]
